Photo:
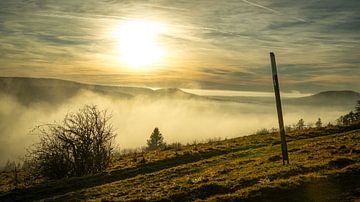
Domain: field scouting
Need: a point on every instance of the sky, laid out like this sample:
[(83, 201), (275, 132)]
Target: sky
[(204, 44)]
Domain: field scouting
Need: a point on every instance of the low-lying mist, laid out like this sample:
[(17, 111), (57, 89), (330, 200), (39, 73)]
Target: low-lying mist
[(179, 120)]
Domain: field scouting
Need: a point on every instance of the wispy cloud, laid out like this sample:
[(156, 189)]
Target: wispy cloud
[(210, 44), (272, 10)]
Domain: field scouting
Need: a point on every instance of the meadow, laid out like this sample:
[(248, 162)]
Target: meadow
[(324, 166)]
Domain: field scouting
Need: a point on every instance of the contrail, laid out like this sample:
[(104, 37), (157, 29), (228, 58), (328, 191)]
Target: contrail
[(169, 7), (271, 10)]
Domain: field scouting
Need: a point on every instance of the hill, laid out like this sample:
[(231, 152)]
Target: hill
[(55, 91), (340, 99), (328, 98), (324, 166), (175, 92)]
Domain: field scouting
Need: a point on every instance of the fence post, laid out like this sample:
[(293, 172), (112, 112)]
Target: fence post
[(279, 110)]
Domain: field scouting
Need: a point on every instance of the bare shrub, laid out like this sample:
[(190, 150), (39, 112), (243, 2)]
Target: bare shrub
[(80, 145)]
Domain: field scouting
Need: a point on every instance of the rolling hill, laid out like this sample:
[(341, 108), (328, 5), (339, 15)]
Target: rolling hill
[(327, 98), (55, 91)]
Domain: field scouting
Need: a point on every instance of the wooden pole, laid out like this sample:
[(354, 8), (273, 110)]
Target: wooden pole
[(279, 110)]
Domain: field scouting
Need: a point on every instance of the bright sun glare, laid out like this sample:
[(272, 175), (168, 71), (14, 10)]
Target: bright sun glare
[(138, 46)]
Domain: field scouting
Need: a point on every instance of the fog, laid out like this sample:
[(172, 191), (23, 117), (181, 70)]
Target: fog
[(179, 120)]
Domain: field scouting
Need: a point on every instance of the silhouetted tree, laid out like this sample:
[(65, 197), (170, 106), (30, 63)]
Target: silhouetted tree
[(352, 117), (156, 140), (348, 119), (340, 120), (80, 145), (288, 128), (300, 125), (357, 107), (357, 111), (318, 123)]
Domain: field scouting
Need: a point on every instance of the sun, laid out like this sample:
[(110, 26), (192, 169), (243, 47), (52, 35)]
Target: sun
[(138, 46)]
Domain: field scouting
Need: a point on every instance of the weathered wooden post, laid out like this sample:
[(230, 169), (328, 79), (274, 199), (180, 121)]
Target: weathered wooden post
[(279, 110)]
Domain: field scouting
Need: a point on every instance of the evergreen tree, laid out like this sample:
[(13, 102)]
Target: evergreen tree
[(300, 125), (156, 140), (318, 123)]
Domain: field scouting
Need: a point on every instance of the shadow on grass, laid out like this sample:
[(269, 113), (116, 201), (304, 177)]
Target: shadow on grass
[(340, 187)]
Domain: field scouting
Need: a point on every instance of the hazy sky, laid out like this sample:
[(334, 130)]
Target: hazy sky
[(206, 43)]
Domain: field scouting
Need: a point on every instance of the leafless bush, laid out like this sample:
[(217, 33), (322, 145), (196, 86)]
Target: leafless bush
[(80, 145)]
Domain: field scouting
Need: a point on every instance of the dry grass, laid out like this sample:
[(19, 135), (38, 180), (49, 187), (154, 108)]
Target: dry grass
[(246, 168)]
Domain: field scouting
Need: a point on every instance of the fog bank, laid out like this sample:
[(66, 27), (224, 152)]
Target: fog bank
[(179, 120)]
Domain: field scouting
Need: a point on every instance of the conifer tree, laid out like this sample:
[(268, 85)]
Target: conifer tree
[(318, 123), (156, 140), (300, 125)]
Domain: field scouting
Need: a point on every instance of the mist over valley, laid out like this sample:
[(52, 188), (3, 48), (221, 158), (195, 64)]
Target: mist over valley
[(181, 116)]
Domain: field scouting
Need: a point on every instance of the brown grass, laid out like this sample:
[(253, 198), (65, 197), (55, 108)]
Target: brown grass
[(247, 168)]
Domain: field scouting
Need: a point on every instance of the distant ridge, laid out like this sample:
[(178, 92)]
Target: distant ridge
[(175, 92), (56, 91), (337, 94), (326, 98)]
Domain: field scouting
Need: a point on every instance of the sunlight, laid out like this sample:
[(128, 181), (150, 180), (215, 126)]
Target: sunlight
[(138, 47)]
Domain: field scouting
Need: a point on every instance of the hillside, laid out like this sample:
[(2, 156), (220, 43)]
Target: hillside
[(55, 91), (323, 99), (324, 166), (327, 98)]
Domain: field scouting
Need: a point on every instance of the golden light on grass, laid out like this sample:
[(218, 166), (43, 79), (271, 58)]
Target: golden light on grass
[(138, 46)]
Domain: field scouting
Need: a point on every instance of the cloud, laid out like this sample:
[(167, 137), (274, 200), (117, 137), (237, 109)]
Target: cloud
[(222, 44), (272, 10)]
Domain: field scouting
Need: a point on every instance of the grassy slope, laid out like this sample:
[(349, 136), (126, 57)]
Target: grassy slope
[(325, 166)]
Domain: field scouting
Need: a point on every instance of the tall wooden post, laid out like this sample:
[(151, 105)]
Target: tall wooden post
[(279, 110)]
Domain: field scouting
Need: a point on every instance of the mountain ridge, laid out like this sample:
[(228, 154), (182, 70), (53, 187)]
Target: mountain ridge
[(33, 90), (340, 97)]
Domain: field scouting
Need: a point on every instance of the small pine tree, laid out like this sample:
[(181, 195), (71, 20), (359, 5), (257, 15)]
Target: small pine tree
[(156, 140), (300, 125), (318, 123)]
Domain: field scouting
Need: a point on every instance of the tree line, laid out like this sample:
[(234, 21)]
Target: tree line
[(352, 117)]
